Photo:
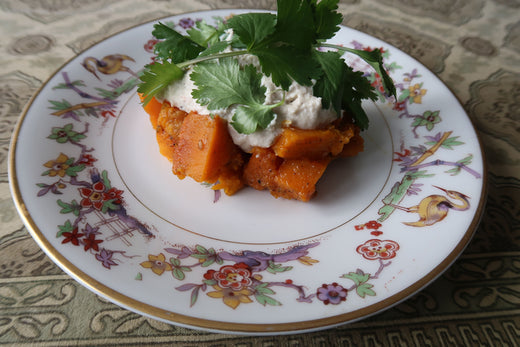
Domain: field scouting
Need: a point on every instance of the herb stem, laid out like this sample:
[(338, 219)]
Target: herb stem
[(210, 57), (339, 48)]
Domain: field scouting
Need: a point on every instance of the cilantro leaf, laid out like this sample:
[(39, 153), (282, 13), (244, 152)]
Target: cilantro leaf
[(326, 18), (156, 77), (174, 47), (356, 89), (284, 65), (217, 47), (248, 119), (342, 88), (204, 34), (331, 84), (253, 28), (295, 24), (375, 60), (221, 85)]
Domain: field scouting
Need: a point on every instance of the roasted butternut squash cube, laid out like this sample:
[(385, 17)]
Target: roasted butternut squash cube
[(203, 148), (296, 143), (297, 178)]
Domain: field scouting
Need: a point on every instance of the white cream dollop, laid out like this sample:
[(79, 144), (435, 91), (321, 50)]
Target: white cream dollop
[(301, 109)]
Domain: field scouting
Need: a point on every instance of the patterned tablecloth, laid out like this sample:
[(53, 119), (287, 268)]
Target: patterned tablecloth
[(472, 45)]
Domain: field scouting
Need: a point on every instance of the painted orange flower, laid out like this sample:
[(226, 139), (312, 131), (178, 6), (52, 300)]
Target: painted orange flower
[(58, 166), (416, 93), (231, 297), (157, 263)]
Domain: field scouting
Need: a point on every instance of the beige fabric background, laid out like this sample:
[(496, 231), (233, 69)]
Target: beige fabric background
[(472, 45)]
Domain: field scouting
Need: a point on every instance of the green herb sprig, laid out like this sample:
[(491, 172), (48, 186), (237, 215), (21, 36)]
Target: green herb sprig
[(286, 45)]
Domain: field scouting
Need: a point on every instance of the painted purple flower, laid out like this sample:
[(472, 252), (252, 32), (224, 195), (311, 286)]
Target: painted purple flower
[(105, 257), (331, 293), (90, 230), (186, 23)]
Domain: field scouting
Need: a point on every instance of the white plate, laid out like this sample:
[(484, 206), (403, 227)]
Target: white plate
[(162, 247)]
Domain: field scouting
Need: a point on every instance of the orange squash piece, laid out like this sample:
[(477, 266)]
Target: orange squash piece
[(296, 143), (262, 168), (297, 178), (167, 128), (203, 148), (152, 108), (355, 145), (286, 178)]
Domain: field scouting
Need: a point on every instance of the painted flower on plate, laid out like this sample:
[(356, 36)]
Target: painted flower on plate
[(157, 263), (91, 242), (97, 195), (113, 194), (331, 293), (416, 93), (65, 134), (378, 249), (72, 237), (105, 257), (236, 277), (186, 23), (230, 297), (87, 160), (58, 166)]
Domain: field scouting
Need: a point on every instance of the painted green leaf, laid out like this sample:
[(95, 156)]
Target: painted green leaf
[(110, 205), (210, 282), (178, 274), (208, 262), (365, 289), (357, 277), (404, 95), (73, 207), (194, 296), (267, 300), (263, 289), (72, 171), (276, 268), (65, 228), (104, 178), (450, 142)]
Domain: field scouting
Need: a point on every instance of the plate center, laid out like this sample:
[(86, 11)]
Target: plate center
[(348, 187)]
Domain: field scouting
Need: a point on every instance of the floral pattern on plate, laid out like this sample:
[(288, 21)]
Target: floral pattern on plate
[(94, 212)]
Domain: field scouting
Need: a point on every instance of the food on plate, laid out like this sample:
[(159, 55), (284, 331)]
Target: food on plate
[(258, 99)]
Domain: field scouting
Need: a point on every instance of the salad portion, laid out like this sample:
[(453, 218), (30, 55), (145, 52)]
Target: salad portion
[(260, 99)]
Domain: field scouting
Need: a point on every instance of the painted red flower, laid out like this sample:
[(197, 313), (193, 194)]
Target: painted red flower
[(209, 274), (87, 160), (149, 45), (400, 106), (113, 194), (400, 156), (236, 276), (72, 237), (373, 225), (378, 249), (378, 83), (91, 242), (370, 49), (93, 197)]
